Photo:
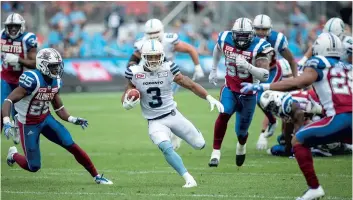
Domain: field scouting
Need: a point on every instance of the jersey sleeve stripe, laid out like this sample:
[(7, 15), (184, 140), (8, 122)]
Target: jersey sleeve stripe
[(324, 60), (222, 38), (175, 72), (278, 41), (257, 47), (174, 69), (37, 79), (24, 39)]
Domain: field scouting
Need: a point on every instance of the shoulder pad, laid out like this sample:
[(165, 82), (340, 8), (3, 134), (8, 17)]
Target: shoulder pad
[(315, 62), (172, 38), (29, 81)]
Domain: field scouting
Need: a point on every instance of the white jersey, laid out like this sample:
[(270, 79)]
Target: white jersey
[(347, 45), (333, 85), (168, 42), (155, 88)]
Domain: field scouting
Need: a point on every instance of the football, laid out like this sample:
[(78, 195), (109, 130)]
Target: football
[(133, 93)]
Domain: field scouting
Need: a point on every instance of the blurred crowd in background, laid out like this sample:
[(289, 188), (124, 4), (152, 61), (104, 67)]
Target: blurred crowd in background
[(104, 29)]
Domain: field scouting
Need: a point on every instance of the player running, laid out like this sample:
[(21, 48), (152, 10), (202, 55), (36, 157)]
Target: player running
[(247, 60), (153, 79), (154, 29), (18, 50), (332, 81), (37, 89), (336, 26), (263, 29)]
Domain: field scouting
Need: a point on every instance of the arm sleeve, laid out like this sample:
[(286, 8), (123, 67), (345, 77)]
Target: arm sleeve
[(28, 81), (217, 53), (31, 42), (128, 73)]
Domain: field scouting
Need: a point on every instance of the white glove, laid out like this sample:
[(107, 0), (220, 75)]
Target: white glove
[(241, 63), (198, 73), (213, 102), (10, 58), (302, 61), (130, 103), (261, 142), (315, 108), (212, 78)]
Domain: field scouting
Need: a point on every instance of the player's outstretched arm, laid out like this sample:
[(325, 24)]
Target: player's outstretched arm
[(217, 53), (298, 118), (13, 97), (187, 48), (197, 89), (30, 62), (64, 115), (287, 54)]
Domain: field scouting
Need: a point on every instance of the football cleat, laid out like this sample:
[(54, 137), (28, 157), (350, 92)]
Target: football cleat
[(215, 158), (99, 179), (270, 130), (313, 194), (240, 154), (10, 161)]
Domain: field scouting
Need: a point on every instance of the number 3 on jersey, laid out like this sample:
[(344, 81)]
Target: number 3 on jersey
[(156, 97)]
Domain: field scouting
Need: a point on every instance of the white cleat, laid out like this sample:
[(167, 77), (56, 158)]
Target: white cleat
[(190, 184), (176, 141), (262, 142), (313, 194), (240, 154), (215, 158), (270, 130), (10, 161), (99, 179)]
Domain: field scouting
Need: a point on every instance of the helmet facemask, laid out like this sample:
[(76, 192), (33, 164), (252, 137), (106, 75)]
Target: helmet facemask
[(155, 35), (242, 39), (262, 32), (13, 30), (153, 61), (52, 70)]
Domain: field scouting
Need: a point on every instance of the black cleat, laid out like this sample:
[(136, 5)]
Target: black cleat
[(213, 162), (239, 160)]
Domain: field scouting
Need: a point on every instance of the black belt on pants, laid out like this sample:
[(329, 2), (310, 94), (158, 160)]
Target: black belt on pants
[(172, 112)]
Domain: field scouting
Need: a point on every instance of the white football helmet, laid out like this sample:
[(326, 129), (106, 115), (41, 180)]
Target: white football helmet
[(152, 54), (50, 63), (279, 103), (262, 25), (14, 25), (328, 44), (242, 33), (336, 26), (154, 29)]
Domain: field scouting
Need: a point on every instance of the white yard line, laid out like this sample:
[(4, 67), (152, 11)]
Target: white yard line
[(162, 194)]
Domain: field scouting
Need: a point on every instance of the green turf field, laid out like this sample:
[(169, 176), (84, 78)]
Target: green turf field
[(118, 143)]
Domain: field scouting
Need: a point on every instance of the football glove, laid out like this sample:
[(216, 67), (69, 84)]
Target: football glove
[(248, 87), (9, 127), (261, 142), (79, 121), (241, 63), (198, 73), (212, 78), (130, 103), (10, 58), (213, 102)]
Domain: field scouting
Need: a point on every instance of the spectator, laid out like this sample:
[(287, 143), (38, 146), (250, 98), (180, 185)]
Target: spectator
[(77, 16), (114, 20)]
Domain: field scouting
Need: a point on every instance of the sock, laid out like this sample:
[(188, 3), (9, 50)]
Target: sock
[(82, 158), (305, 162), (243, 138), (187, 177), (21, 161), (220, 129), (172, 157)]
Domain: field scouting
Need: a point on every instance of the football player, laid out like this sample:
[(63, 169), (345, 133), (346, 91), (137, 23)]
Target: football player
[(18, 51), (263, 29), (336, 26), (332, 81), (247, 60), (153, 79), (36, 91)]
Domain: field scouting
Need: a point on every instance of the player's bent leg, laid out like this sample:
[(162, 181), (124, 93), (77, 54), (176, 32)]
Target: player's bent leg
[(229, 102), (5, 91), (30, 143), (242, 124), (176, 162), (58, 134)]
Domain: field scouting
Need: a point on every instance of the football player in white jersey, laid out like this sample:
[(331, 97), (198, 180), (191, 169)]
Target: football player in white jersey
[(336, 26), (154, 29), (332, 80), (153, 79)]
